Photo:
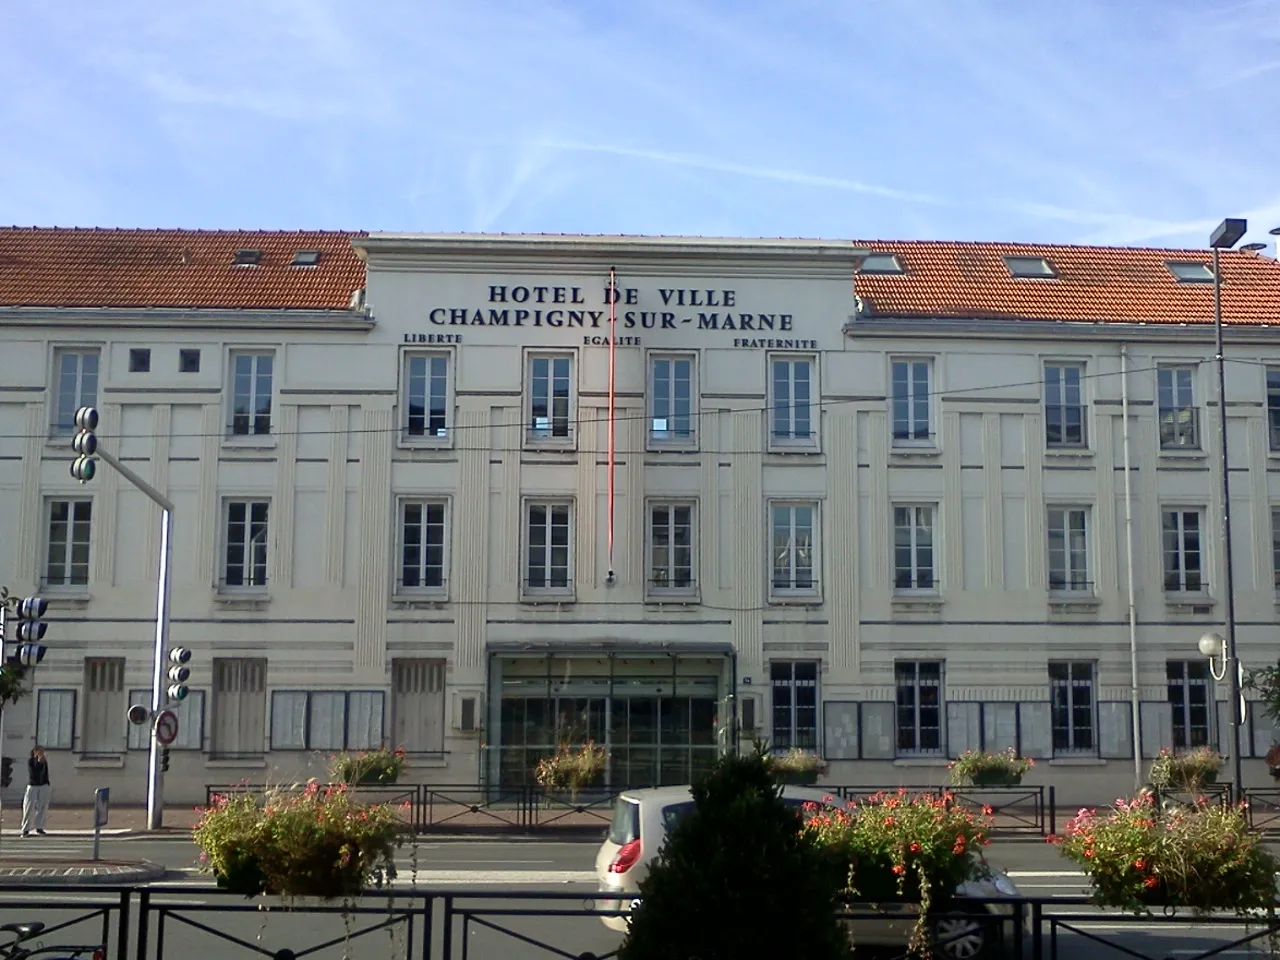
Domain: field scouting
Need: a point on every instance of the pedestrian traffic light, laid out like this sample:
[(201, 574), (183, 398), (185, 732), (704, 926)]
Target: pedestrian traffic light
[(6, 771), (85, 444), (179, 674), (164, 759), (31, 630)]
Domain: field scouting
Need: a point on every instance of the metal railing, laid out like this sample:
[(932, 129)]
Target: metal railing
[(418, 924), (469, 809)]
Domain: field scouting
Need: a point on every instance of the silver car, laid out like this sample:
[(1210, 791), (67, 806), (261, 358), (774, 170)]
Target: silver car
[(642, 819)]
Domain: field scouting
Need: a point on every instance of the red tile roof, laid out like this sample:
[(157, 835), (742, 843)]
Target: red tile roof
[(54, 267), (1127, 284)]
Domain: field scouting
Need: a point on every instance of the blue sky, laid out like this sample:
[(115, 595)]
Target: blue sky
[(1094, 121)]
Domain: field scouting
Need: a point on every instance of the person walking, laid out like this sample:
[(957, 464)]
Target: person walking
[(35, 803)]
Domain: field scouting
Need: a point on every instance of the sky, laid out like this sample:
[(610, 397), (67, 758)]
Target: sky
[(1135, 122)]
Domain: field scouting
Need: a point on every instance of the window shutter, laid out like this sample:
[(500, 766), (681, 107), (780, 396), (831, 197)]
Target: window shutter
[(55, 719), (877, 731), (1115, 736), (840, 730), (1036, 729), (999, 726), (364, 720), (327, 721), (288, 721), (1157, 726), (964, 728), (190, 714)]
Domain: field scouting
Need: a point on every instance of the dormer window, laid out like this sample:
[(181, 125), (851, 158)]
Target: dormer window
[(882, 263), (1030, 268), (247, 257), (305, 258)]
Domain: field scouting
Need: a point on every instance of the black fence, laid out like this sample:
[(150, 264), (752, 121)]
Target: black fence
[(180, 921), (478, 809)]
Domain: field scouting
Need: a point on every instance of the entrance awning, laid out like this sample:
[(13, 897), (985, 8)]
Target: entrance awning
[(618, 647)]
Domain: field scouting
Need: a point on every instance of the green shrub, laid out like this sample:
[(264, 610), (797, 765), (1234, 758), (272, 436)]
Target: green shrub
[(1185, 771), (739, 877)]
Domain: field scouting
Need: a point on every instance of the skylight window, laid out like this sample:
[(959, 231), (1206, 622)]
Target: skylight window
[(1190, 271), (1030, 267), (306, 258), (882, 263), (247, 257)]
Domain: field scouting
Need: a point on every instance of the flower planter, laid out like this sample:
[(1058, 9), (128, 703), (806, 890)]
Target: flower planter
[(798, 778), (379, 777), (996, 778)]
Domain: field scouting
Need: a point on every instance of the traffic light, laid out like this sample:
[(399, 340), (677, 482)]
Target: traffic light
[(179, 674), (85, 444), (31, 630), (164, 759), (6, 771)]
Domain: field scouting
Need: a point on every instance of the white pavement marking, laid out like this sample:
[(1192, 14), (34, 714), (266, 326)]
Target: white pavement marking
[(407, 877), (1015, 874)]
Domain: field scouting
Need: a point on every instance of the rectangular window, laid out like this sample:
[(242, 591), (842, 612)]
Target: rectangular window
[(239, 707), (919, 707), (1064, 411), (1069, 550), (326, 720), (189, 361), (671, 568), (1072, 702), (104, 706), (190, 714), (550, 397), (1273, 407), (56, 719), (422, 546), (1190, 701), (671, 391), (792, 401), (251, 388), (426, 396), (911, 403), (1179, 418), (913, 553), (245, 555), (67, 549), (417, 705), (795, 705), (140, 360), (793, 544), (1275, 548), (1183, 557), (76, 376), (548, 566)]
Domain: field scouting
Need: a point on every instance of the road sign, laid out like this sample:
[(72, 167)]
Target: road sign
[(166, 727)]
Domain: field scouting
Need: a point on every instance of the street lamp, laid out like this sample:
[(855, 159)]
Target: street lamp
[(1226, 236)]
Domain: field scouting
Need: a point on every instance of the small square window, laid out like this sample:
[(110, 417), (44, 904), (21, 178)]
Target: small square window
[(1030, 267), (247, 257), (1190, 271), (140, 360), (188, 361)]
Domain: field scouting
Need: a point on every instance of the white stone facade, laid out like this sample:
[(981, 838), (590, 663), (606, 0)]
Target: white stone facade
[(887, 539)]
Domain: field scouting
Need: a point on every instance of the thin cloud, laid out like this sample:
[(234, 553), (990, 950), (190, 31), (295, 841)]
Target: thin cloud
[(795, 177)]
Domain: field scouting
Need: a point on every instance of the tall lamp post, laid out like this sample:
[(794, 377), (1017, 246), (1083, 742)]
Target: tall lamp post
[(1226, 236)]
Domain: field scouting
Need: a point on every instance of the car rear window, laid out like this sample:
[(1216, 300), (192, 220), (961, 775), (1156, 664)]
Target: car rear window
[(674, 813), (625, 826)]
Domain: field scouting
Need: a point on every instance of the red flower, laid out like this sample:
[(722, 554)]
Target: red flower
[(888, 821), (899, 869), (1089, 853), (1140, 864), (958, 849), (987, 809), (1150, 882), (914, 848)]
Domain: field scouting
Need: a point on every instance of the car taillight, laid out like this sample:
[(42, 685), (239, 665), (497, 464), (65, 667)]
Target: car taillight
[(626, 857), (99, 954)]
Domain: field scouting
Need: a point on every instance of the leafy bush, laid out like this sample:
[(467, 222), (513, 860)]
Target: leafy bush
[(318, 843), (1185, 771), (570, 768), (11, 688), (1203, 857), (796, 764), (739, 877), (902, 847), (370, 766), (981, 768)]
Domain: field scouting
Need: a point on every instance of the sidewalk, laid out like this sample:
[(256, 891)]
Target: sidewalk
[(78, 821), (20, 871)]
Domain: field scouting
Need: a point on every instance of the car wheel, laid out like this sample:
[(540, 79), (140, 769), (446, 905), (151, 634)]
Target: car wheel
[(962, 936)]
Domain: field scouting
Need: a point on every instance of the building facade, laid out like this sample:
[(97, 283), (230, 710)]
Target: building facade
[(480, 495)]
